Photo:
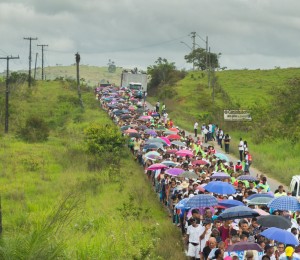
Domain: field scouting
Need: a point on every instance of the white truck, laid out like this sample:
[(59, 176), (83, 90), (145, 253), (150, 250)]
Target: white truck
[(295, 186), (135, 81)]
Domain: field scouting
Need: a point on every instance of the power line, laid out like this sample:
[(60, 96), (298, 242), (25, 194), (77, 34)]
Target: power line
[(29, 73), (7, 58)]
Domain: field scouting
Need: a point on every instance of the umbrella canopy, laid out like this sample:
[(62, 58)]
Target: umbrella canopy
[(150, 132), (189, 175), (174, 171), (157, 166), (184, 153), (153, 146), (153, 153), (220, 176), (145, 118), (174, 130), (201, 201), (230, 203), (170, 151), (125, 127), (178, 143), (182, 204), (200, 162), (274, 221), (156, 140), (259, 201), (166, 140), (170, 163), (262, 212), (280, 235), (247, 178), (174, 137), (243, 246), (237, 213), (126, 116), (142, 127), (168, 132), (222, 156), (259, 195), (130, 130), (220, 187), (284, 203), (137, 135)]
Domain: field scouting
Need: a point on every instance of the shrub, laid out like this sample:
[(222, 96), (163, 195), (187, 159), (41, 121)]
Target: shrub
[(35, 130)]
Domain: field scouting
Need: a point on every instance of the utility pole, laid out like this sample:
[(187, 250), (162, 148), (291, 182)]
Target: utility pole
[(7, 58), (206, 48), (77, 58), (193, 36), (43, 45), (36, 55), (29, 72), (208, 74)]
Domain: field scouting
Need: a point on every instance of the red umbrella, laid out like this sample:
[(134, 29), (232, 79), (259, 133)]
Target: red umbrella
[(174, 137), (174, 129), (200, 162), (130, 130)]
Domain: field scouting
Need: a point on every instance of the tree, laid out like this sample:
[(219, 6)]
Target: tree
[(111, 66), (199, 56)]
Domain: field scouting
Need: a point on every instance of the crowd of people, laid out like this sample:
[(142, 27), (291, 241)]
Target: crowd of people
[(179, 166)]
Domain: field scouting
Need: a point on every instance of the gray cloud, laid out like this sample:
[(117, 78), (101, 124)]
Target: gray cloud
[(248, 33)]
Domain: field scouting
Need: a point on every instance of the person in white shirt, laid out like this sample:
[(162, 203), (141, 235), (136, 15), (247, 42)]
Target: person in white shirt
[(196, 128), (241, 149), (194, 231)]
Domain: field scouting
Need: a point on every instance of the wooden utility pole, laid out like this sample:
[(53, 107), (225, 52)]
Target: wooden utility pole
[(7, 58), (29, 71), (36, 55), (42, 45), (77, 58)]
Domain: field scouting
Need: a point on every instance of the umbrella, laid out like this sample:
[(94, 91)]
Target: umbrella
[(280, 235), (222, 156), (237, 213), (200, 162), (261, 212), (174, 137), (284, 203), (174, 171), (202, 201), (160, 128), (247, 178), (156, 140), (157, 166), (243, 246), (189, 175), (259, 195), (153, 153), (174, 130), (168, 132), (150, 132), (171, 151), (178, 143), (166, 140), (169, 163), (274, 221), (145, 118), (259, 201), (153, 146), (125, 127), (182, 204), (126, 116), (220, 176), (135, 135), (230, 203), (184, 153), (142, 127), (131, 131), (220, 187)]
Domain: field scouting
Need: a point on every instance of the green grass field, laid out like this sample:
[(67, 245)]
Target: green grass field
[(106, 215)]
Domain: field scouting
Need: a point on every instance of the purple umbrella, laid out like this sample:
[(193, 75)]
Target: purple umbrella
[(243, 246), (174, 171), (247, 178), (220, 176)]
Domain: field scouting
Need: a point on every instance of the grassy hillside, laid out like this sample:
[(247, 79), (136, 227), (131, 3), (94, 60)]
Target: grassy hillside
[(59, 201), (190, 100)]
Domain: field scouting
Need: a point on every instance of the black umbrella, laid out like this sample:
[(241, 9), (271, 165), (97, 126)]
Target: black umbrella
[(243, 246), (126, 116), (274, 221), (237, 213)]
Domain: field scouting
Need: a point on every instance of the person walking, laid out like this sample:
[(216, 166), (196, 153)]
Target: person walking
[(157, 107), (227, 142), (220, 138), (163, 108), (241, 148), (196, 128)]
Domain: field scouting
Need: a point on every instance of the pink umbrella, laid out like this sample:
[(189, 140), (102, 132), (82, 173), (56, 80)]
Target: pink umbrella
[(157, 166), (171, 151), (261, 212), (184, 153), (174, 171), (145, 118), (174, 137), (200, 162), (166, 140), (130, 130)]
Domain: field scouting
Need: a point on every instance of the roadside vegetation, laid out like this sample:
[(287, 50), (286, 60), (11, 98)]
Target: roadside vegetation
[(272, 96), (70, 189)]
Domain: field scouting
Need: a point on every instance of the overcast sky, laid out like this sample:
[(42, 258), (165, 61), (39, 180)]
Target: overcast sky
[(134, 33)]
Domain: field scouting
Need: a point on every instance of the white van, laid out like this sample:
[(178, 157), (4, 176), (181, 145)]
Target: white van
[(295, 186)]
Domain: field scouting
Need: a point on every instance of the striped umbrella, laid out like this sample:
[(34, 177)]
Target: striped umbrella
[(247, 178), (259, 195), (201, 201)]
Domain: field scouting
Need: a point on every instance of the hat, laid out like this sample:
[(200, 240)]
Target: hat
[(232, 254), (195, 183), (249, 253), (268, 246), (238, 160), (289, 251)]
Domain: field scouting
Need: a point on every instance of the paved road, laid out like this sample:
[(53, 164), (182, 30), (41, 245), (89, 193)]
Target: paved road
[(253, 171)]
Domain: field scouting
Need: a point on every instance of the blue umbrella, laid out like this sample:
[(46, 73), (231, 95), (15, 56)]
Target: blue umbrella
[(280, 235), (153, 146), (150, 132), (220, 187), (284, 203), (169, 163), (178, 143), (222, 156), (259, 195), (201, 201), (182, 204), (231, 203), (220, 176), (247, 178), (237, 213)]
